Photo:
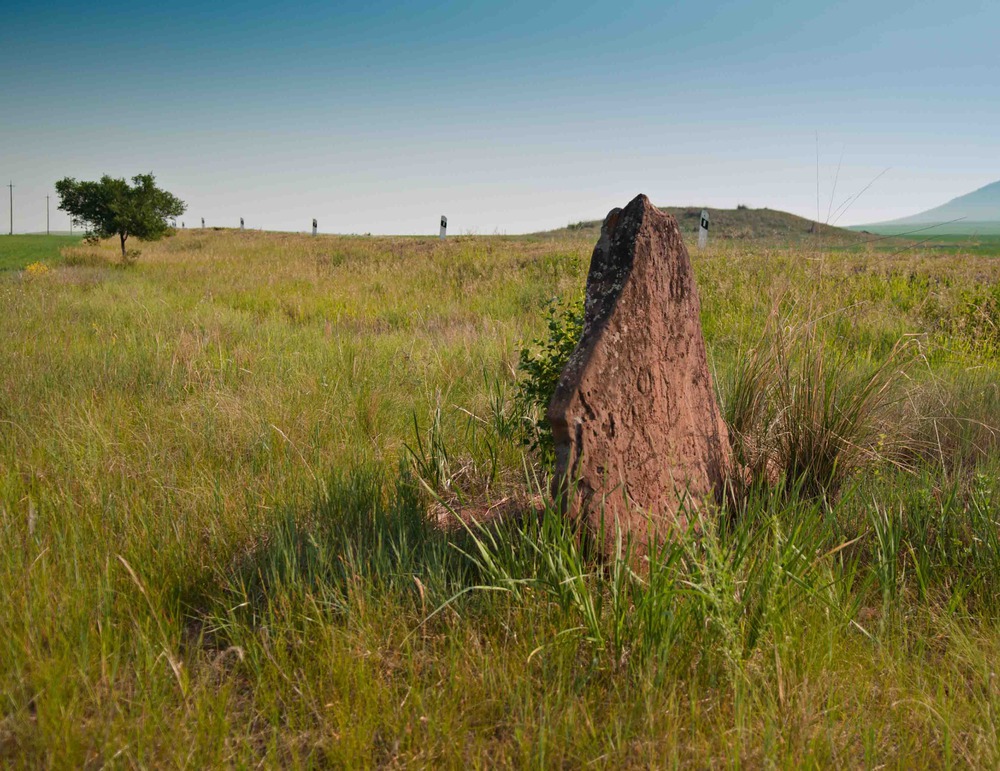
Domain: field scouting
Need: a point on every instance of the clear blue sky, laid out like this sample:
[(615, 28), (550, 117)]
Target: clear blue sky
[(511, 117)]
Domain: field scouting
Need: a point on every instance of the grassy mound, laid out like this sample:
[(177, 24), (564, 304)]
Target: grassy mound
[(742, 224)]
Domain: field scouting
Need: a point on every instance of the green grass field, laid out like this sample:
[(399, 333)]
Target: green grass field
[(224, 473), (18, 251), (930, 241), (964, 228), (979, 245)]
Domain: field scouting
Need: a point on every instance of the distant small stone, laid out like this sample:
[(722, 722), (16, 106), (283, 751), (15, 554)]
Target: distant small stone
[(640, 443)]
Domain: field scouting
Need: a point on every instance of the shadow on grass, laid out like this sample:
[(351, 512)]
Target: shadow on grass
[(366, 549), (367, 536)]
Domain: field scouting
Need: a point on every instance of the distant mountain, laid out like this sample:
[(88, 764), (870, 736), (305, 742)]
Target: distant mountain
[(978, 211)]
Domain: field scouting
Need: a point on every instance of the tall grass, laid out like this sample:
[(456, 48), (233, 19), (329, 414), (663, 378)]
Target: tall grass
[(215, 547), (801, 412)]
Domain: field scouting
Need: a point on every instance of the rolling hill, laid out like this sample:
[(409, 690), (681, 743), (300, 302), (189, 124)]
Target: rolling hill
[(742, 223)]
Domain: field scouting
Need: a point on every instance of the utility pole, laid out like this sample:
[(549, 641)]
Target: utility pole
[(47, 215), (11, 186)]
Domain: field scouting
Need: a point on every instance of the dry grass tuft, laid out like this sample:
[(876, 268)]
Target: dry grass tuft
[(801, 412)]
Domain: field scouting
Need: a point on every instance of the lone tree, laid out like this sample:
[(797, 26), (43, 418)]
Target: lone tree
[(113, 207)]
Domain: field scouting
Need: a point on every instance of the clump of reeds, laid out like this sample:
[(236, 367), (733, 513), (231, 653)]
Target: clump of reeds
[(801, 412)]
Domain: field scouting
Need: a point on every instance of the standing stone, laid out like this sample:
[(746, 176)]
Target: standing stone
[(637, 431)]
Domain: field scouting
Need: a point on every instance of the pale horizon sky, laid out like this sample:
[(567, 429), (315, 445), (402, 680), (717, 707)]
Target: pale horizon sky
[(507, 117)]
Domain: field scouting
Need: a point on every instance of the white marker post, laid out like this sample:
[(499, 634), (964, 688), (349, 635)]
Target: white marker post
[(202, 223), (703, 230), (314, 226), (241, 223), (444, 227)]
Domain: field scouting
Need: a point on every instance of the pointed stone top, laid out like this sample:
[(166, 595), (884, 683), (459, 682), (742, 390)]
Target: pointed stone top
[(637, 210), (614, 255)]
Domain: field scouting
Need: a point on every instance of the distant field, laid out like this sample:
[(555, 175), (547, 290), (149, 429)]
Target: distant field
[(221, 482), (17, 251), (929, 242), (961, 228), (983, 245)]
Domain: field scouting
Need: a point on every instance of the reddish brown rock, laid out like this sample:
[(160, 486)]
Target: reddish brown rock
[(636, 427)]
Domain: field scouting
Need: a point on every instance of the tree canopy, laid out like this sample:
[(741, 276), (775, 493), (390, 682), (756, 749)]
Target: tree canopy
[(113, 207)]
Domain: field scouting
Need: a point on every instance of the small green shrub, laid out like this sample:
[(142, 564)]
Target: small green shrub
[(541, 363), (130, 257)]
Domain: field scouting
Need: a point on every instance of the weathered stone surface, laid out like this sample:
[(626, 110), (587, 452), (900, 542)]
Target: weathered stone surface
[(636, 426)]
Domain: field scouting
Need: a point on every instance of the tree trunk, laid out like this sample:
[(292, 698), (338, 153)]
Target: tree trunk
[(123, 236)]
